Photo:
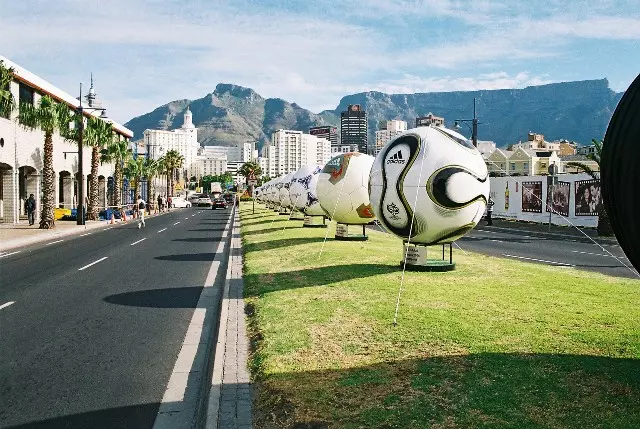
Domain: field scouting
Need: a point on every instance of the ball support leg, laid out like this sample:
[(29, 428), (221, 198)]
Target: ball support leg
[(420, 262)]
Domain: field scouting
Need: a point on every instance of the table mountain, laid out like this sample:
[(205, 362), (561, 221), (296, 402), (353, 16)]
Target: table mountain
[(233, 114)]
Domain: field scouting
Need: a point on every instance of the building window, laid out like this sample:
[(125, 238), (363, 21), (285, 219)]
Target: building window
[(525, 166), (25, 95), (513, 166)]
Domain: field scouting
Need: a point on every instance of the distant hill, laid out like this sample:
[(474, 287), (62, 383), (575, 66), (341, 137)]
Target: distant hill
[(232, 114)]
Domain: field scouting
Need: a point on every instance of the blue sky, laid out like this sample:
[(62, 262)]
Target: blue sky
[(147, 53)]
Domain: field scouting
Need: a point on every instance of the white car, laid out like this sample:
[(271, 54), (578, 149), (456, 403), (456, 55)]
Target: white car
[(204, 201), (193, 198), (180, 202)]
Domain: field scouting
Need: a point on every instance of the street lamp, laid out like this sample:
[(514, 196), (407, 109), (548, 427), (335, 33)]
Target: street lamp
[(80, 110), (474, 122)]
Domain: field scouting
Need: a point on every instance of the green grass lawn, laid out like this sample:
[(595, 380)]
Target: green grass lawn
[(494, 344)]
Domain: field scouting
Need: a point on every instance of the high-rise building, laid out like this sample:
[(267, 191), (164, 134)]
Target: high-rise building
[(184, 140), (353, 129), (429, 119), (289, 150), (326, 132), (393, 128)]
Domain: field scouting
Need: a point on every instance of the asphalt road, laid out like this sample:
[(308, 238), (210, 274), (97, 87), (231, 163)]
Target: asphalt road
[(97, 321), (571, 251), (550, 249)]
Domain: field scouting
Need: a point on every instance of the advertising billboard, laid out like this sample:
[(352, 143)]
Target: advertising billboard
[(532, 197), (560, 201), (588, 198)]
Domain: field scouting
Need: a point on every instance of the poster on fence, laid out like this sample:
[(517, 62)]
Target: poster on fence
[(560, 200), (588, 198), (532, 197)]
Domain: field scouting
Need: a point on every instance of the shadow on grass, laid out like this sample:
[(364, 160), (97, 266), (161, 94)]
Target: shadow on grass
[(524, 391), (258, 284), (269, 230), (276, 244), (258, 222), (177, 297)]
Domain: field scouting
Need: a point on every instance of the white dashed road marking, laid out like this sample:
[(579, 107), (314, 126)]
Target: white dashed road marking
[(598, 254), (93, 263), (84, 235), (108, 228), (176, 223), (539, 260), (163, 229), (6, 304), (497, 241), (136, 242), (9, 254), (54, 242)]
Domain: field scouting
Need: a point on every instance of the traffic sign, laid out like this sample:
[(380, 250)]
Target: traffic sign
[(252, 182)]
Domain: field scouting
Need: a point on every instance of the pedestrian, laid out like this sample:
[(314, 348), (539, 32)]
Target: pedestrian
[(490, 205), (160, 202), (169, 203), (141, 205), (30, 206)]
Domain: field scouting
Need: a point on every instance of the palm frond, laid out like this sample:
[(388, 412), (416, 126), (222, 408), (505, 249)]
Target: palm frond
[(584, 167)]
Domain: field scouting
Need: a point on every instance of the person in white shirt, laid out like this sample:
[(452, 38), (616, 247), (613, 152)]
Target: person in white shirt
[(141, 207)]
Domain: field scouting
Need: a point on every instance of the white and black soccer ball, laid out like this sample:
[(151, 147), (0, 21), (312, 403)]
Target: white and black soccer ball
[(303, 190), (285, 183), (274, 191), (343, 188), (429, 185)]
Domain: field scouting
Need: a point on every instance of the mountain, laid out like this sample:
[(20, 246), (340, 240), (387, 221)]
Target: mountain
[(232, 114)]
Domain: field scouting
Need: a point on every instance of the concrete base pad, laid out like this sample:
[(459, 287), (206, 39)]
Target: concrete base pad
[(431, 265)]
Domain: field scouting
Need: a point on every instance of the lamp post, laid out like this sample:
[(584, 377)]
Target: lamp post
[(80, 110), (474, 126)]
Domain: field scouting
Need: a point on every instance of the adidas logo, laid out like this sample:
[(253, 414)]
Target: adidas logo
[(396, 158)]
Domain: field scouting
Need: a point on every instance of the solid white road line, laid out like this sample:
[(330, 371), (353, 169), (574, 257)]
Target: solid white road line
[(93, 263), (539, 260), (163, 229), (176, 223), (136, 242), (54, 242), (6, 304), (9, 254)]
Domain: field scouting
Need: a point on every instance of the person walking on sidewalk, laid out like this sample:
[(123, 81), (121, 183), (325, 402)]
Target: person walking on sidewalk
[(141, 207), (30, 206), (490, 205)]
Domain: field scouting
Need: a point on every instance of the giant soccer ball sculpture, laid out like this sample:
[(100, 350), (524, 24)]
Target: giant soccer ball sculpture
[(428, 186), (285, 200), (303, 194), (344, 194)]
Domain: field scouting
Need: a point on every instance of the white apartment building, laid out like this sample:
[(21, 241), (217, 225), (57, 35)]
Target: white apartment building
[(242, 153), (21, 152), (394, 128), (289, 150), (184, 140), (211, 166)]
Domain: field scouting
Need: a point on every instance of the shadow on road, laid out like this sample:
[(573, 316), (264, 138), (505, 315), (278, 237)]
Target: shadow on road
[(186, 257), (198, 239), (178, 297), (207, 229)]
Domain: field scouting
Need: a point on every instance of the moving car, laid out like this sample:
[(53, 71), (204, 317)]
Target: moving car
[(228, 198), (204, 201), (193, 198), (219, 203), (179, 202)]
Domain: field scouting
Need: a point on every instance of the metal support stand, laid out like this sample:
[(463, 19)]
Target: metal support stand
[(342, 233), (416, 256)]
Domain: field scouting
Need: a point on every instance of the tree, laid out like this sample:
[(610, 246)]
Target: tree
[(150, 169), (604, 225), (250, 167), (134, 172), (97, 135), (172, 161), (50, 117), (118, 152), (7, 102)]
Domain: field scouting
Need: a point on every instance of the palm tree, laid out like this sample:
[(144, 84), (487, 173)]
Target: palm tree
[(97, 135), (604, 225), (134, 171), (7, 103), (250, 167), (172, 161), (151, 168), (118, 152), (50, 117)]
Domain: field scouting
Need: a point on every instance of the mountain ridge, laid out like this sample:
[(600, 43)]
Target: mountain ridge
[(233, 114)]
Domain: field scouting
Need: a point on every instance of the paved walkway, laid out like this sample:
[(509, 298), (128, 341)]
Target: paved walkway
[(544, 229), (230, 398)]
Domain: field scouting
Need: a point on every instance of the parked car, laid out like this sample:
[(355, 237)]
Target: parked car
[(204, 201), (219, 203), (180, 202)]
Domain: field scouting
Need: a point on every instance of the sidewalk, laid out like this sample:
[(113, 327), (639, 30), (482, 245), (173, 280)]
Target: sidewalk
[(21, 234), (230, 397), (543, 229)]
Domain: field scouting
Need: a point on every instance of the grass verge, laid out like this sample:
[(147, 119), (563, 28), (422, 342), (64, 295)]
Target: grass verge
[(495, 344)]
